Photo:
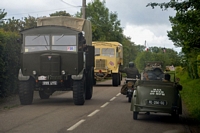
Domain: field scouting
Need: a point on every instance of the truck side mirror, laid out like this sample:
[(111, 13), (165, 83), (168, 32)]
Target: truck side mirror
[(18, 40), (179, 87)]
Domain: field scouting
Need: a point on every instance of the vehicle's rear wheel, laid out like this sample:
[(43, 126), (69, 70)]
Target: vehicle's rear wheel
[(89, 84), (175, 115), (115, 79), (43, 95), (79, 91), (26, 89), (135, 115)]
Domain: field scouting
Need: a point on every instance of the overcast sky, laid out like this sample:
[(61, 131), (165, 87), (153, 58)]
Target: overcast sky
[(139, 22)]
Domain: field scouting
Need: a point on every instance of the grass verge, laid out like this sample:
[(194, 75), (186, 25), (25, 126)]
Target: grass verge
[(190, 94)]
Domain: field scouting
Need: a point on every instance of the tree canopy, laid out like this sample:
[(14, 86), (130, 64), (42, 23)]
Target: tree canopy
[(105, 24), (185, 31), (60, 13)]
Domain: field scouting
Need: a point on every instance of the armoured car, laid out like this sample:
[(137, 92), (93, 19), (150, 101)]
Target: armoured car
[(157, 95), (57, 55)]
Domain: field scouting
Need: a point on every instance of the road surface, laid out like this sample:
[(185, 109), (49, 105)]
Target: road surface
[(107, 112)]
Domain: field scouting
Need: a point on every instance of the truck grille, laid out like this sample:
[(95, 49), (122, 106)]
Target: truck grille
[(100, 64), (50, 65)]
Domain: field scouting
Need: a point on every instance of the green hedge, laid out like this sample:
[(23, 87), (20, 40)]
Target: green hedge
[(190, 93), (198, 64), (9, 62)]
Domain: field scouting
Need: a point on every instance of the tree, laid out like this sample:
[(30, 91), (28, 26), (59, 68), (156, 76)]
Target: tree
[(60, 13), (185, 29), (169, 57), (105, 25), (2, 16), (16, 25), (185, 25)]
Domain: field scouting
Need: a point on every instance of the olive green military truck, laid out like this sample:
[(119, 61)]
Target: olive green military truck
[(57, 55), (157, 94)]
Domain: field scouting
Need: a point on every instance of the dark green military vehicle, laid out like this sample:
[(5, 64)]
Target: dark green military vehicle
[(55, 57), (156, 94)]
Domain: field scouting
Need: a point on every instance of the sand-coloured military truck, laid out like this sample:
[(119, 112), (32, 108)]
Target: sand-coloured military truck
[(108, 59), (57, 55)]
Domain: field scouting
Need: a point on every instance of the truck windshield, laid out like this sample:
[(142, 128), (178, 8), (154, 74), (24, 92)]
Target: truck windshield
[(97, 51), (108, 52), (36, 43), (61, 42), (64, 42)]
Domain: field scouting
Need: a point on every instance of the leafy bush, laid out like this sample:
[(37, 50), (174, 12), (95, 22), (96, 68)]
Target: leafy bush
[(9, 62)]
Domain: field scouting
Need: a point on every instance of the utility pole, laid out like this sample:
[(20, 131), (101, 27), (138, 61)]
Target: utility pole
[(83, 8)]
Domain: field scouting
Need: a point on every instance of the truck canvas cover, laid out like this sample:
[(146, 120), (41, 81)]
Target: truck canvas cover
[(78, 24)]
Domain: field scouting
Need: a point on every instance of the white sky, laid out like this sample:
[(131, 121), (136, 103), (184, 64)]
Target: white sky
[(139, 22)]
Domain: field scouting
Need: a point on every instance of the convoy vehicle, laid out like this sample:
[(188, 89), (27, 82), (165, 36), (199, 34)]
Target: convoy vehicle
[(157, 95), (108, 58), (55, 58), (128, 87)]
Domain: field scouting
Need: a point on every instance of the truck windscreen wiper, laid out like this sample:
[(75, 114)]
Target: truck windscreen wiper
[(60, 37), (36, 37)]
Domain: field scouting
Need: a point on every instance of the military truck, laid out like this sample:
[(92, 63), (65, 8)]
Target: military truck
[(157, 95), (108, 59), (57, 55)]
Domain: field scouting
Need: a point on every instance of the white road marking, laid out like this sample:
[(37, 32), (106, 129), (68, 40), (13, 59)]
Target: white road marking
[(105, 105), (93, 113), (75, 125), (118, 94), (112, 99)]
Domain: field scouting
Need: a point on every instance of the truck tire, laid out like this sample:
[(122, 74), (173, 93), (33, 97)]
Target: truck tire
[(79, 87), (43, 95), (89, 84), (135, 115), (119, 79), (115, 79), (175, 115), (26, 89), (94, 81), (129, 99)]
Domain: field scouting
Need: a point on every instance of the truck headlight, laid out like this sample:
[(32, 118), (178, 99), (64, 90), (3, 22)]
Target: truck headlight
[(63, 72), (34, 73)]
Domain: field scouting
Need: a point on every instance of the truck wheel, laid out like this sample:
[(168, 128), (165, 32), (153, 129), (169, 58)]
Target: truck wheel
[(135, 115), (119, 79), (115, 79), (89, 84), (79, 87), (26, 89), (129, 99), (94, 81), (43, 95)]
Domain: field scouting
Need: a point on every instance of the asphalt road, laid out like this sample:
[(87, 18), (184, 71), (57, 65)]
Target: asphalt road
[(107, 112)]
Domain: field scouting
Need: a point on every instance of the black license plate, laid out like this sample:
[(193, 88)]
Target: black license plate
[(156, 102), (49, 83)]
